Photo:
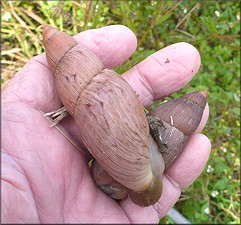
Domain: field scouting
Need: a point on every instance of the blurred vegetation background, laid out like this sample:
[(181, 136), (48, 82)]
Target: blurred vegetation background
[(213, 27)]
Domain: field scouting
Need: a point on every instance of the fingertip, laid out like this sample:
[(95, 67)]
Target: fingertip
[(124, 35), (204, 119), (113, 44), (123, 31), (164, 72), (202, 138), (186, 55), (192, 55)]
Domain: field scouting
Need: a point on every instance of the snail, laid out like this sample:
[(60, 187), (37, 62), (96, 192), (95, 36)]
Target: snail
[(112, 122)]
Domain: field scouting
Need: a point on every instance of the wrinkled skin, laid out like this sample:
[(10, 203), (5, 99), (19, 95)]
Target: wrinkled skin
[(45, 179)]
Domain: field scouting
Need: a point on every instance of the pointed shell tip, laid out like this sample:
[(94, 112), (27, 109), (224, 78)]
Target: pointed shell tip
[(204, 93), (47, 32)]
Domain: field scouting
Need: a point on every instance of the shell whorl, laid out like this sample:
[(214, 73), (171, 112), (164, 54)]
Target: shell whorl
[(180, 118)]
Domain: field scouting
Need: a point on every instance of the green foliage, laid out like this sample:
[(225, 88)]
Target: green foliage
[(213, 27)]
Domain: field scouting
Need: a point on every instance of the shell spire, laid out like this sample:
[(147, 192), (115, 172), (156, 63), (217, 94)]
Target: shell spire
[(184, 113), (57, 43)]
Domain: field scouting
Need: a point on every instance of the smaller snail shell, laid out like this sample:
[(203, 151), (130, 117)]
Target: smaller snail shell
[(109, 116), (180, 117)]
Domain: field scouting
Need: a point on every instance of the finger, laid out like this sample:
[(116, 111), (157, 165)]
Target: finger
[(203, 120), (191, 162), (112, 44), (184, 171), (139, 215), (179, 176), (164, 72), (152, 214)]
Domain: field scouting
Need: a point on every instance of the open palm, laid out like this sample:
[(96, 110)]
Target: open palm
[(46, 179)]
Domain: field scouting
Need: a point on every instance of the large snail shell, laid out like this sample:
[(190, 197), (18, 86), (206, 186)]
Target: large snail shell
[(180, 118), (109, 116)]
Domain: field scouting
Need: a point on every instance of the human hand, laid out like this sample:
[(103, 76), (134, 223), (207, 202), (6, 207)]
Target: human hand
[(46, 179)]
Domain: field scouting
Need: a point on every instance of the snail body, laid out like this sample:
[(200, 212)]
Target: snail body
[(111, 121)]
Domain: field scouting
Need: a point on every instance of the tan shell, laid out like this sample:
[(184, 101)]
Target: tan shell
[(142, 198), (110, 118)]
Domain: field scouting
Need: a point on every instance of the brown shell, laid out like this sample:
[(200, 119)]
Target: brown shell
[(107, 183), (109, 116), (142, 198), (181, 118)]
